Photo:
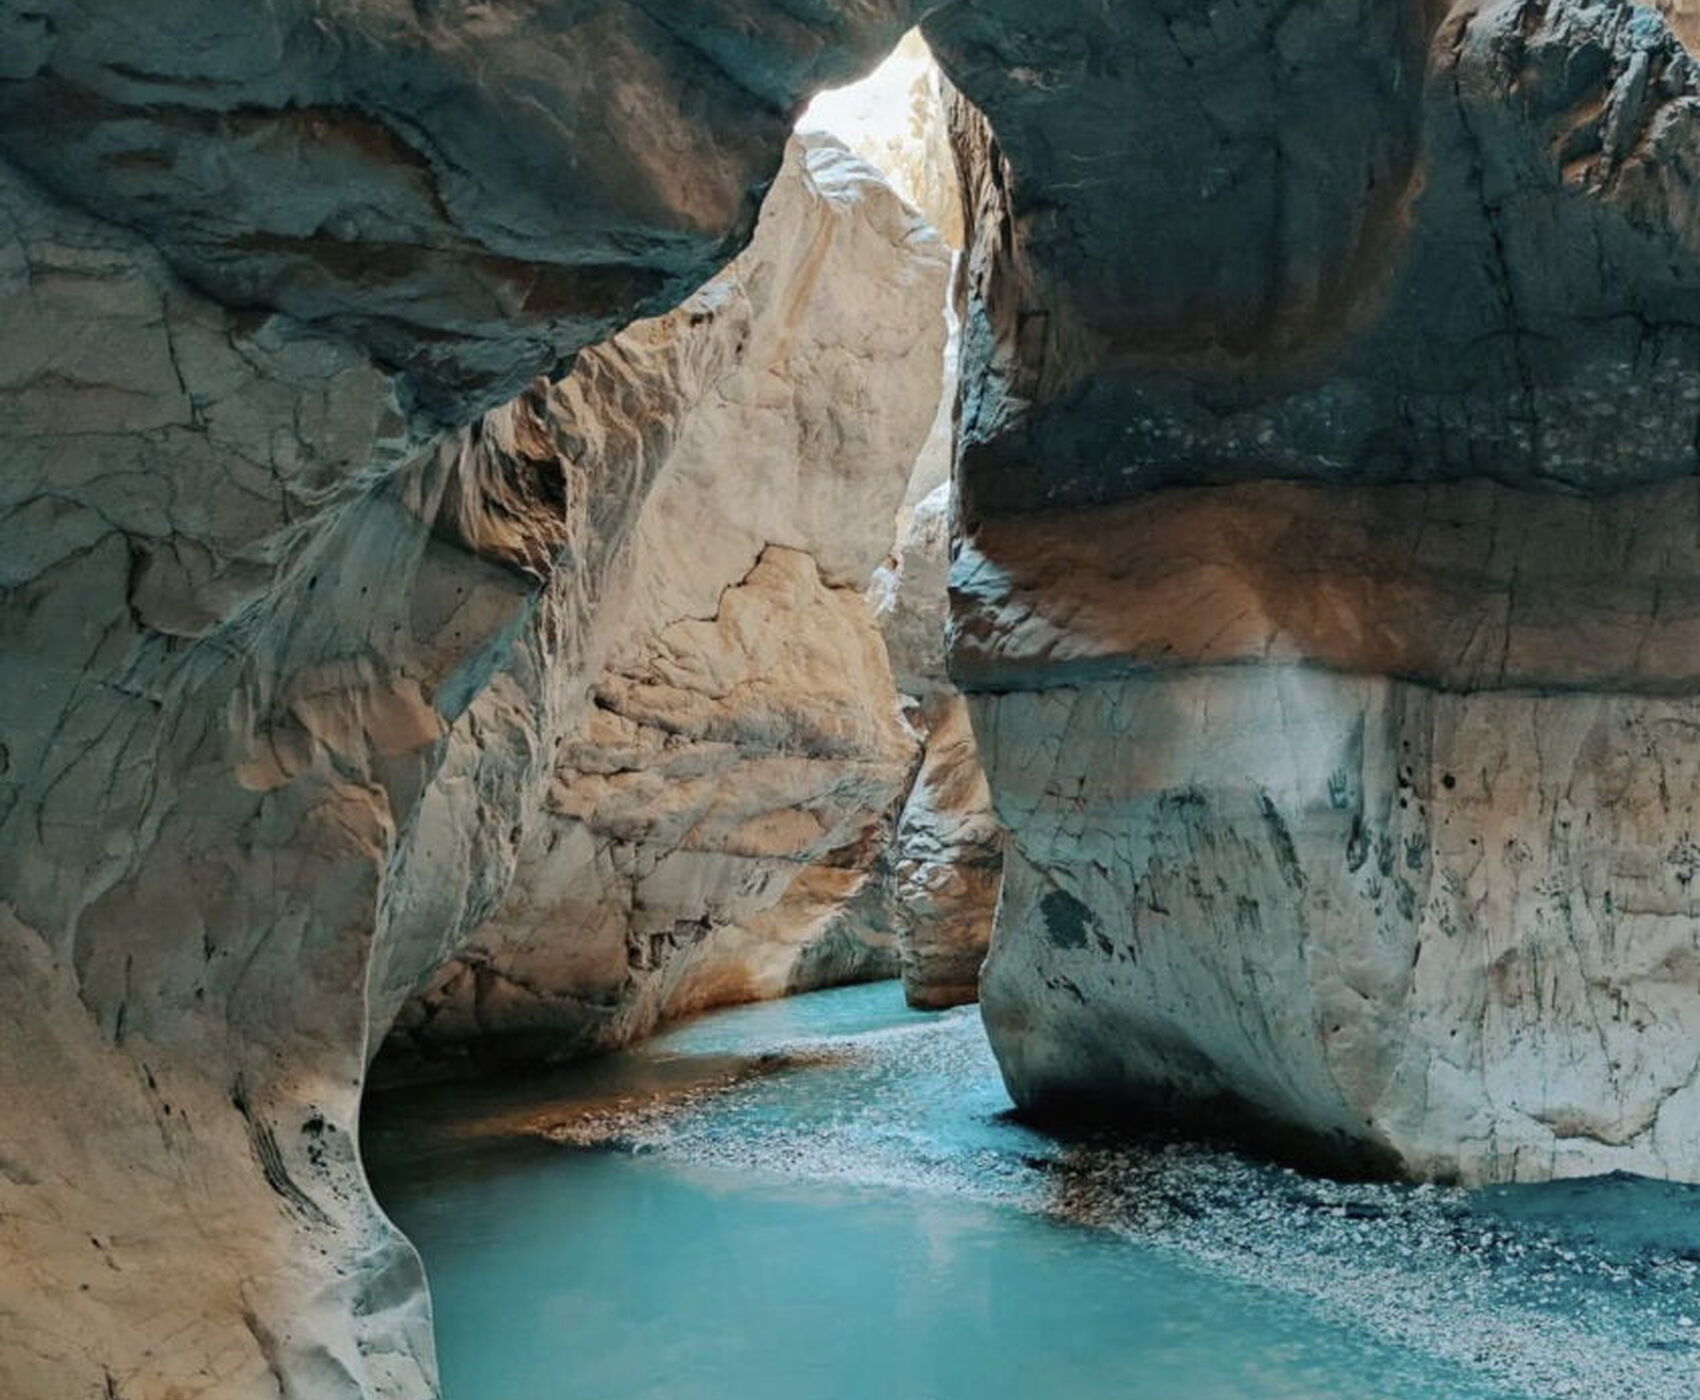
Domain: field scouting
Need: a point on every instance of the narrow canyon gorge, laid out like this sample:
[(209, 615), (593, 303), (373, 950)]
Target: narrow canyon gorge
[(1166, 532)]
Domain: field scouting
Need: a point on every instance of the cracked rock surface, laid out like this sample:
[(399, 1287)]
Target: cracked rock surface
[(280, 658), (949, 847), (714, 827), (1325, 585), (470, 191)]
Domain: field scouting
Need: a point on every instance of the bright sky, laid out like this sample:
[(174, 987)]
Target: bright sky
[(870, 114)]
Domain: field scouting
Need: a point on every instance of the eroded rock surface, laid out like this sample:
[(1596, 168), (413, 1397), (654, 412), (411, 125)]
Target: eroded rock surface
[(471, 191), (949, 847), (248, 605), (181, 1208), (1358, 806), (275, 652), (949, 856), (715, 827)]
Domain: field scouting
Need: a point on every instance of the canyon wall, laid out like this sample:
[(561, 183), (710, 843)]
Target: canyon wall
[(714, 826), (470, 192), (1327, 573), (948, 848), (1322, 597), (257, 261)]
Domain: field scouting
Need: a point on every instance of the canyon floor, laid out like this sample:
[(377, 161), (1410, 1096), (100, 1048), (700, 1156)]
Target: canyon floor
[(847, 1172)]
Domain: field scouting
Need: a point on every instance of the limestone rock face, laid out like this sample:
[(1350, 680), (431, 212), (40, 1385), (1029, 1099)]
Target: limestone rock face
[(1327, 579), (948, 849), (714, 828), (896, 120), (179, 835), (276, 653), (949, 855), (246, 605), (1393, 241), (470, 191), (910, 596), (673, 864)]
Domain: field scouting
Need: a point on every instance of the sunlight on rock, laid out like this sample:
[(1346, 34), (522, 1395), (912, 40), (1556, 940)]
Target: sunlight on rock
[(895, 119)]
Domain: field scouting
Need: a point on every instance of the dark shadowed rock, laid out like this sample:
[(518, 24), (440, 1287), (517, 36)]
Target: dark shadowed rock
[(472, 192), (1307, 243)]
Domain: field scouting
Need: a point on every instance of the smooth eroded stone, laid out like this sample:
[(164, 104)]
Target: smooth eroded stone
[(1373, 925), (279, 664), (948, 844), (949, 856), (472, 192), (1327, 591)]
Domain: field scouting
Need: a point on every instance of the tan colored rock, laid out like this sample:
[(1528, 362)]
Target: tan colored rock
[(1449, 935), (1467, 586), (191, 819), (910, 597), (672, 868), (704, 832), (895, 120), (277, 662), (276, 645), (948, 846), (1365, 810), (1326, 595), (949, 856)]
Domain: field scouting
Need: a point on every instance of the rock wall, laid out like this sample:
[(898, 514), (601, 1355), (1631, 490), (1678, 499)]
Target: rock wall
[(948, 847), (949, 857), (247, 604), (896, 119), (696, 836), (471, 192), (1325, 590), (1367, 810), (168, 466), (255, 591)]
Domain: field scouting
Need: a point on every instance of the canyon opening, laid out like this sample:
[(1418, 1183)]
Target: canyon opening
[(926, 698)]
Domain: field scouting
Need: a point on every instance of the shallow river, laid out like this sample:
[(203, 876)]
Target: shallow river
[(822, 1199)]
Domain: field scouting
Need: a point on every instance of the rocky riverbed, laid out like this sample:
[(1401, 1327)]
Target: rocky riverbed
[(1573, 1289)]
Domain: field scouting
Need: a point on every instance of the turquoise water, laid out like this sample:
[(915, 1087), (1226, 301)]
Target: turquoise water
[(664, 1264)]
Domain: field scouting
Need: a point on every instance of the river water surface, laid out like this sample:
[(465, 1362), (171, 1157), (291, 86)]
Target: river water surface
[(823, 1199)]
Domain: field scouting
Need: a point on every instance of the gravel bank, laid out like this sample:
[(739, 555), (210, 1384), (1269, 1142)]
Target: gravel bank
[(1574, 1290)]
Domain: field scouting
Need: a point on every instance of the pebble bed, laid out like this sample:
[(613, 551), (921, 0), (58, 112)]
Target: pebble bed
[(1544, 1303)]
